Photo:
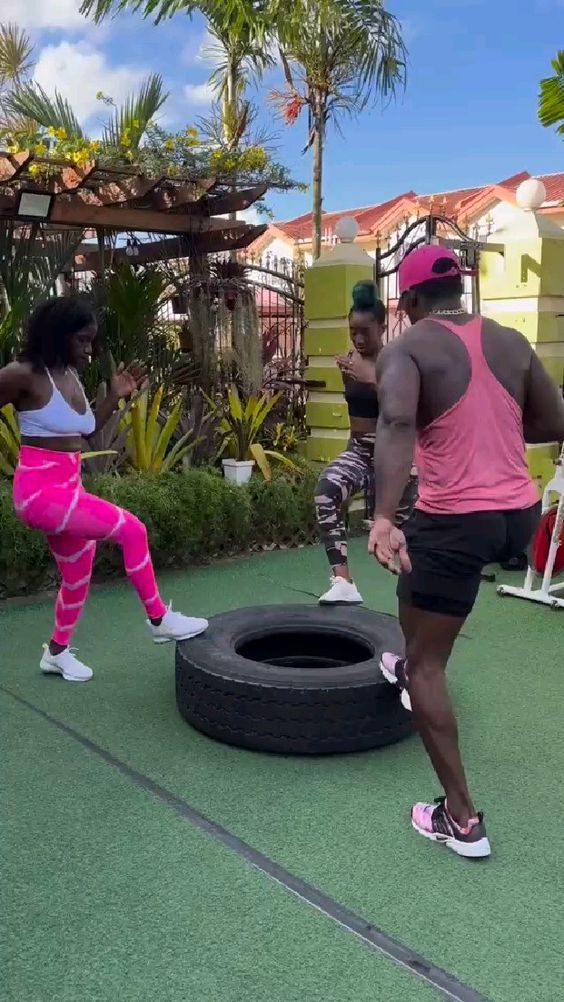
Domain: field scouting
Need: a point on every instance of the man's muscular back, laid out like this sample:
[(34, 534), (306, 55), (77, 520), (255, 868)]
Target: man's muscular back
[(443, 364)]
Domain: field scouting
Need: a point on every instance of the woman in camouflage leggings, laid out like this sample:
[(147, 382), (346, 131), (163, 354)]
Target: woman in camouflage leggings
[(352, 471)]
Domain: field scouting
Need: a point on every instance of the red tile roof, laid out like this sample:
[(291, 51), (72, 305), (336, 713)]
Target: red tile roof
[(367, 218), (448, 203)]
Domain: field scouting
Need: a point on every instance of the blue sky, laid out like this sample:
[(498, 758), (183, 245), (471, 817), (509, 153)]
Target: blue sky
[(468, 115)]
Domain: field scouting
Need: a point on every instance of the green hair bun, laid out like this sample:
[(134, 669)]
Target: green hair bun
[(364, 296)]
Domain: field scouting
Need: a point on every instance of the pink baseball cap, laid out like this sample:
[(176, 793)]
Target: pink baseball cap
[(420, 266)]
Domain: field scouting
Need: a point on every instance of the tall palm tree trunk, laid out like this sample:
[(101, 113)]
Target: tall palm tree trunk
[(317, 185)]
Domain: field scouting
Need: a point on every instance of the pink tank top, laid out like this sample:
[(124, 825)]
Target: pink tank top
[(472, 457)]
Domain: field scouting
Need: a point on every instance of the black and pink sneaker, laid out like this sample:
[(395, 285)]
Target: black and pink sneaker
[(393, 670), (434, 822)]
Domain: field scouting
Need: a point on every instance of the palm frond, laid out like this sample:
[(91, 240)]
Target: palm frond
[(551, 97), (16, 54), (32, 102), (137, 112), (159, 10)]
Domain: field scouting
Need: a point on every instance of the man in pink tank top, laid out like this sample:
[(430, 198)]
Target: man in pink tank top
[(464, 394)]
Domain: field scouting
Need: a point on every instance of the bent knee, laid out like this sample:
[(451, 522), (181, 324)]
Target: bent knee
[(327, 494), (134, 531)]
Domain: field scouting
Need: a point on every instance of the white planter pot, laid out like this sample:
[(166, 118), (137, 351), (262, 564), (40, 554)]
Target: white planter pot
[(238, 471)]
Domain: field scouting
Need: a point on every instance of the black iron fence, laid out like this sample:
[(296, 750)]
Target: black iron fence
[(425, 230)]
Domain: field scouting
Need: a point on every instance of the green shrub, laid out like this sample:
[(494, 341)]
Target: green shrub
[(190, 516)]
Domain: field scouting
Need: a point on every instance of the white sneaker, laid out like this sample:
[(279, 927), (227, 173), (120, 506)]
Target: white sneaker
[(393, 670), (175, 626), (341, 591), (65, 664)]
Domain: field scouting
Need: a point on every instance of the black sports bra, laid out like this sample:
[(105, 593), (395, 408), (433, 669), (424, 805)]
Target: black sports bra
[(362, 400)]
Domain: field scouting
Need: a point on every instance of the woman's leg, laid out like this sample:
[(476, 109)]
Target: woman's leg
[(408, 499), (91, 518), (87, 517), (344, 478), (75, 558)]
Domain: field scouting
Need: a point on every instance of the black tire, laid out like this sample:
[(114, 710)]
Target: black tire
[(320, 692)]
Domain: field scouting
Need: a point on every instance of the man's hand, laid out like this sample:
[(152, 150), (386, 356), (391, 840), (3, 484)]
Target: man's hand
[(388, 544)]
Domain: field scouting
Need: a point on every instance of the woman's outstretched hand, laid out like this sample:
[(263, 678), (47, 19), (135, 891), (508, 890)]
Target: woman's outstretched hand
[(388, 544), (127, 382)]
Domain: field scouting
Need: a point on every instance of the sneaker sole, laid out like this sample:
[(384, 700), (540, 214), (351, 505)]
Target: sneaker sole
[(391, 678), (341, 601), (388, 675), (50, 670), (178, 640), (470, 850)]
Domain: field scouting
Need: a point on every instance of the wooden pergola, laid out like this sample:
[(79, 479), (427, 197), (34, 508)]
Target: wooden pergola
[(114, 200)]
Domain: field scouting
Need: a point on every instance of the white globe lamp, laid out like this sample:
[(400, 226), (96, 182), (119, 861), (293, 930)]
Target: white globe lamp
[(530, 194), (347, 229)]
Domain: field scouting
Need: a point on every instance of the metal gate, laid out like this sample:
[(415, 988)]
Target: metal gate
[(429, 229), (278, 285)]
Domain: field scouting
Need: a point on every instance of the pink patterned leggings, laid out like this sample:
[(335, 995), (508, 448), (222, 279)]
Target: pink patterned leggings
[(49, 496)]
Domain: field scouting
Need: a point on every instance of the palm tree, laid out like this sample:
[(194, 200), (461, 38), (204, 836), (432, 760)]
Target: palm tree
[(239, 57), (338, 57), (551, 97), (238, 30), (16, 61)]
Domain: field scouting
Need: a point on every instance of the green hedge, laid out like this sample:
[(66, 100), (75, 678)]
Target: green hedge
[(190, 517)]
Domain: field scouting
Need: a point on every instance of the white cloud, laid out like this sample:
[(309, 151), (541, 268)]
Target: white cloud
[(78, 71), (199, 94), (251, 216), (194, 52), (43, 14)]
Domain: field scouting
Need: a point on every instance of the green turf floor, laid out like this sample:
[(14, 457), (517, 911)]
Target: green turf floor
[(111, 896)]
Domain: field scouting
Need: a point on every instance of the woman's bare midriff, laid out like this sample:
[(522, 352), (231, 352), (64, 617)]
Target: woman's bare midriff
[(67, 444)]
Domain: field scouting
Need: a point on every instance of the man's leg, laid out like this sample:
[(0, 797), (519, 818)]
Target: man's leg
[(429, 639), (447, 556)]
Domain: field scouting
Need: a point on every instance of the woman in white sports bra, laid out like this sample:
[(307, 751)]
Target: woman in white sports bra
[(55, 418)]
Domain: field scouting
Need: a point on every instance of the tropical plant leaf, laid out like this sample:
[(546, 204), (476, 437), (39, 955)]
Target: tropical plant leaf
[(235, 407), (138, 418), (551, 98), (132, 119), (97, 453), (181, 449), (16, 54), (30, 260), (260, 457), (153, 421), (31, 101), (166, 434), (284, 460)]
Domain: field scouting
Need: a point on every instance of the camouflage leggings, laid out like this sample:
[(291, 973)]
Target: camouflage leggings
[(349, 474)]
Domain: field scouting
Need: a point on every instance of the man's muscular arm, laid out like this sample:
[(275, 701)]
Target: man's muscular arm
[(398, 382), (543, 413)]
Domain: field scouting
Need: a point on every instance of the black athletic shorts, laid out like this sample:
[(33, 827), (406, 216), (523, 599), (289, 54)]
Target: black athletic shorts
[(449, 552)]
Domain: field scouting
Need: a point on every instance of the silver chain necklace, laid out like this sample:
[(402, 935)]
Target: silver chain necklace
[(449, 313)]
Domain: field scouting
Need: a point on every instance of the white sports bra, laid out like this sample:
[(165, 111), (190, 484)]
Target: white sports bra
[(57, 419)]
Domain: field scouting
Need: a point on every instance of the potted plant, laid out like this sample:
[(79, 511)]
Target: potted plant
[(240, 427)]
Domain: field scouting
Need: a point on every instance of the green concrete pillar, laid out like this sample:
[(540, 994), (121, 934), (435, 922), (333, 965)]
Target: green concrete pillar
[(523, 287), (328, 294)]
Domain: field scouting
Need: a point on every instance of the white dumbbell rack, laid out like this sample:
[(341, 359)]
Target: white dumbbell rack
[(547, 592)]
